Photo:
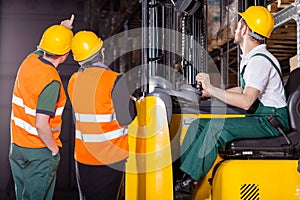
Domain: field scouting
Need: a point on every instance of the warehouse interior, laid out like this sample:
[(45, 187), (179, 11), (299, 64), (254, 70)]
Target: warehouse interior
[(207, 23)]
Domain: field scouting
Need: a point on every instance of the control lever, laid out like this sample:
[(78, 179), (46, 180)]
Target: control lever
[(191, 89), (199, 88)]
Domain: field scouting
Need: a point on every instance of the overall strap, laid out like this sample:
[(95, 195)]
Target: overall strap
[(242, 81)]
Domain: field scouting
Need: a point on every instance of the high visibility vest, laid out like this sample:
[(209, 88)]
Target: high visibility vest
[(99, 139), (33, 76)]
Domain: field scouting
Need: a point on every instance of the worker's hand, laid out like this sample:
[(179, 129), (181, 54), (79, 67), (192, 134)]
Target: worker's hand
[(204, 80), (205, 94), (133, 98), (68, 22), (55, 151)]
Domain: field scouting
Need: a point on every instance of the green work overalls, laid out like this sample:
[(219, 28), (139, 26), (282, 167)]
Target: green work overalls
[(204, 136)]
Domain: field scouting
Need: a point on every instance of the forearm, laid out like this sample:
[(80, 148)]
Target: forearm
[(234, 97), (231, 97), (46, 136), (235, 90), (45, 133)]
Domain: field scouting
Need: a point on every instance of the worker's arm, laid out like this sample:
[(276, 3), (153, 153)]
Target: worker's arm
[(45, 109), (235, 89), (242, 100), (45, 133), (123, 103)]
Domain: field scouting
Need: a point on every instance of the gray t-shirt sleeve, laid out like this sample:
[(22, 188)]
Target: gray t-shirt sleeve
[(124, 107)]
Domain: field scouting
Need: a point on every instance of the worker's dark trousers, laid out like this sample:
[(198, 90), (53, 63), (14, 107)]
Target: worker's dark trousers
[(204, 136), (99, 182), (34, 172)]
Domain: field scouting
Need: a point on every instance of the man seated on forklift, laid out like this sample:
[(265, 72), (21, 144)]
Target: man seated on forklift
[(261, 94)]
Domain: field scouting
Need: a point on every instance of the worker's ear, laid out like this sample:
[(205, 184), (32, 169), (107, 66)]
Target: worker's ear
[(64, 57), (245, 30)]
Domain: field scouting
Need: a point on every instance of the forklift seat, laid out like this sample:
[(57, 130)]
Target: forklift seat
[(273, 147)]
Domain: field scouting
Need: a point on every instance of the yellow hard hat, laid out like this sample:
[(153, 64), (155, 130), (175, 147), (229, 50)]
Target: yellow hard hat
[(259, 20), (57, 40), (85, 44)]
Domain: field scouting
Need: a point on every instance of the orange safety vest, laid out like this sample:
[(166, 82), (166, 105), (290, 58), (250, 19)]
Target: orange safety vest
[(99, 138), (33, 76)]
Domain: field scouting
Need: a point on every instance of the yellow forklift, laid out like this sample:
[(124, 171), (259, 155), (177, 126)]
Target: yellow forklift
[(248, 169)]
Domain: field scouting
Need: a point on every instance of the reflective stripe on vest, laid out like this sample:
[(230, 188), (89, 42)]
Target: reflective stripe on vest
[(28, 128), (95, 117), (59, 111), (101, 137), (24, 125), (29, 111), (19, 102)]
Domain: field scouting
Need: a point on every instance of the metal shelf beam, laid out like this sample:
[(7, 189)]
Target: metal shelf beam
[(284, 16)]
